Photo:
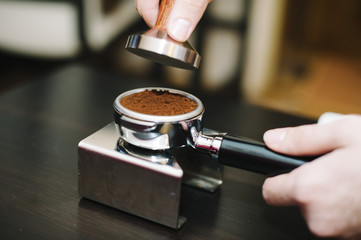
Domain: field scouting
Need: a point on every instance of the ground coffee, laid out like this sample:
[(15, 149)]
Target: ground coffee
[(158, 102)]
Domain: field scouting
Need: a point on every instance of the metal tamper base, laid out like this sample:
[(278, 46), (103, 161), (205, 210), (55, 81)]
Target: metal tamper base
[(158, 47)]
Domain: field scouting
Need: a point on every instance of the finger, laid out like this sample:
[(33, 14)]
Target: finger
[(278, 190), (312, 139), (148, 9), (184, 17)]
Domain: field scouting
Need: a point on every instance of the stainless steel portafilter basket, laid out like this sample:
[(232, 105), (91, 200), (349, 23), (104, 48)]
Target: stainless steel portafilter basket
[(158, 132), (166, 132)]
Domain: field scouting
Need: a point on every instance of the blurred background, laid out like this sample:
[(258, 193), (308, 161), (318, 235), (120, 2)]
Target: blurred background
[(300, 57)]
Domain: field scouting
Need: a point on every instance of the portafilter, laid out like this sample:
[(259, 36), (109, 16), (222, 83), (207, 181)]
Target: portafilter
[(157, 132)]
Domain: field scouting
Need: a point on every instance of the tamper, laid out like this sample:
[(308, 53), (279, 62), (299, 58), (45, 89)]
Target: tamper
[(157, 46)]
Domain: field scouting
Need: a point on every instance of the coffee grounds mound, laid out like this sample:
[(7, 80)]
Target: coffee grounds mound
[(158, 102)]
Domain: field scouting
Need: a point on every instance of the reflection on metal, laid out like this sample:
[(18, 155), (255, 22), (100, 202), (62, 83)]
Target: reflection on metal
[(142, 182), (157, 46), (200, 170)]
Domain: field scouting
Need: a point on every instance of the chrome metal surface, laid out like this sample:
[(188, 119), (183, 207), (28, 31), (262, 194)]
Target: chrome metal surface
[(157, 46), (200, 171), (157, 156), (142, 182), (158, 132), (150, 190), (166, 132), (208, 144)]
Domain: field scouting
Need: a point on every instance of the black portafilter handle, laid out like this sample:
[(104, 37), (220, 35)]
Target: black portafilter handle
[(255, 156), (249, 154)]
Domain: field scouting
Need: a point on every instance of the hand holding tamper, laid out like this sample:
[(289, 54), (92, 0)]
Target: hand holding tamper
[(157, 46)]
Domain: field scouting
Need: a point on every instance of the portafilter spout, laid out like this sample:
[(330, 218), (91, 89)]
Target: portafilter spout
[(157, 46), (166, 132)]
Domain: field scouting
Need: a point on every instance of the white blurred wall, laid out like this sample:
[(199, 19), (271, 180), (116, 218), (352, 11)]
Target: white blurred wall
[(51, 29)]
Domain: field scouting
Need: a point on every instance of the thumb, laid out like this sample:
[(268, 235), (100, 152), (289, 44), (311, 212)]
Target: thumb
[(279, 190), (184, 17)]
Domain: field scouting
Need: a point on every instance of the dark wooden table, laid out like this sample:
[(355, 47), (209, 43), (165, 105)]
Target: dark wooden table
[(40, 127)]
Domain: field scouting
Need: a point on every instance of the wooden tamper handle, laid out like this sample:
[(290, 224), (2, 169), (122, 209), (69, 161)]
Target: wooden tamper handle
[(164, 10)]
